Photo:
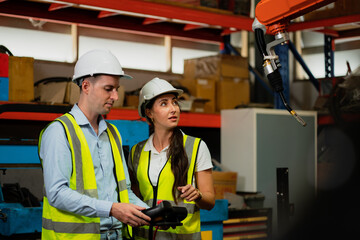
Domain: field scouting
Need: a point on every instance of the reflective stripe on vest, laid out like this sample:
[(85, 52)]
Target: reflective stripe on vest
[(140, 161), (58, 224), (119, 169)]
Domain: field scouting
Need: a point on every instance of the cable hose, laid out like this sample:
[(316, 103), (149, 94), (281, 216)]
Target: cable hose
[(274, 77), (276, 81), (260, 41), (291, 111)]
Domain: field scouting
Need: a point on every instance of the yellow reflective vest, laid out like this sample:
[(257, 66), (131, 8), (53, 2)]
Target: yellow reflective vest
[(59, 224), (140, 161)]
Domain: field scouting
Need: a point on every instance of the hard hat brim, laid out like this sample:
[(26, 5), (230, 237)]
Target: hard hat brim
[(177, 91), (147, 100), (126, 76)]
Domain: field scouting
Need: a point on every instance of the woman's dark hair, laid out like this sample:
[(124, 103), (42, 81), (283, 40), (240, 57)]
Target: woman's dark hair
[(179, 159)]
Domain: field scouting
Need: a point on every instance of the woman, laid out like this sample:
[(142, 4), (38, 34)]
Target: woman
[(170, 165)]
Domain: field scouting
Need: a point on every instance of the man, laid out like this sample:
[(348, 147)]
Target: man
[(87, 187)]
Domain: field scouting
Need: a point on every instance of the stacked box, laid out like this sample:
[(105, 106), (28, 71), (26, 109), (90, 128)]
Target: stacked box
[(52, 92), (121, 97), (59, 90), (338, 8), (72, 93), (232, 92), (216, 67), (132, 100), (21, 79), (56, 90), (224, 182), (227, 79), (205, 89)]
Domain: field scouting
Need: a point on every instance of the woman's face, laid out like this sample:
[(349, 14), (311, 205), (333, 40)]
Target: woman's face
[(165, 113)]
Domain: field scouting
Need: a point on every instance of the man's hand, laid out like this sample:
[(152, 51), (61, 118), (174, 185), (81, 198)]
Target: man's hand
[(129, 214)]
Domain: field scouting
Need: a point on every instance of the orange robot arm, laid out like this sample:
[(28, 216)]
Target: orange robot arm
[(276, 14), (273, 16)]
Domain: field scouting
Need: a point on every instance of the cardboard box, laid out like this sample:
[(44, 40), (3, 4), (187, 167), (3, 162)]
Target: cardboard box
[(121, 97), (224, 182), (72, 93), (190, 69), (338, 8), (185, 105), (216, 67), (198, 105), (132, 100), (190, 84), (21, 79), (52, 92), (234, 66), (63, 90), (205, 89), (193, 105), (232, 92)]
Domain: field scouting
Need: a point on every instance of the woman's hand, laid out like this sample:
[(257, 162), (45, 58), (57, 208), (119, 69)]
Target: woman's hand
[(189, 193)]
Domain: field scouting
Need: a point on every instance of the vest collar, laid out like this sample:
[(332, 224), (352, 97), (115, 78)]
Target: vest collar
[(149, 146), (82, 120)]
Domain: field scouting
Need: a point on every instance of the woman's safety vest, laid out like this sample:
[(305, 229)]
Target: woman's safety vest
[(59, 224), (163, 191)]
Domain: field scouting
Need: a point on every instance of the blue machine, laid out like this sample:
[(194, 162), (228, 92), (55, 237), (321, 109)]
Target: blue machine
[(213, 220), (14, 217), (131, 132)]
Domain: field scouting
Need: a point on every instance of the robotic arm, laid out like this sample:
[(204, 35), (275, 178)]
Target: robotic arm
[(273, 16), (276, 14)]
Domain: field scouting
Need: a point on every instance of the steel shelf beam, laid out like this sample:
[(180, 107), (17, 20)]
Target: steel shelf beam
[(323, 23), (173, 19), (89, 18), (39, 112), (214, 17)]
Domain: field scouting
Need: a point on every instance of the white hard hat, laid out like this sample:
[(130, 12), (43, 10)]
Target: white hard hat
[(98, 61), (152, 89)]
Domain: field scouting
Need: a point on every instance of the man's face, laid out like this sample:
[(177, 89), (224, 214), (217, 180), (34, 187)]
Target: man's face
[(103, 93)]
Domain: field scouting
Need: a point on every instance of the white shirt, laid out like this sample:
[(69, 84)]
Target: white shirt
[(158, 159)]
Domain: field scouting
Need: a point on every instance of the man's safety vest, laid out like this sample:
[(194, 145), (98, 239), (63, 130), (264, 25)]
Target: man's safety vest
[(163, 191), (59, 224)]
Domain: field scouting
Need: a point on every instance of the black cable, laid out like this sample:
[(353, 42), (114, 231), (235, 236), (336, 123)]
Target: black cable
[(287, 106), (260, 41), (274, 76), (275, 80), (291, 111)]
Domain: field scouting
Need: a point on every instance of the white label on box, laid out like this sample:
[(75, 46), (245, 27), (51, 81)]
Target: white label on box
[(202, 81)]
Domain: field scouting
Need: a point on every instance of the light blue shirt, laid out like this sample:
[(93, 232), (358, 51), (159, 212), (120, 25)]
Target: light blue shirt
[(57, 166)]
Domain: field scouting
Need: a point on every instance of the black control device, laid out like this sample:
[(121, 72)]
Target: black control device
[(164, 214)]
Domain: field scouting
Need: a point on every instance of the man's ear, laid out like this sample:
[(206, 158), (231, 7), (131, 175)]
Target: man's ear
[(85, 86)]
